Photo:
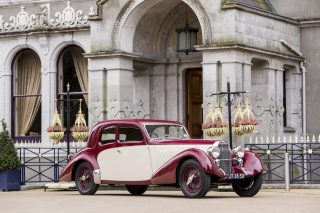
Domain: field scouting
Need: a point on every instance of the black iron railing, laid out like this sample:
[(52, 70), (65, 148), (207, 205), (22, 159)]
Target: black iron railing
[(42, 164), (45, 164), (304, 161)]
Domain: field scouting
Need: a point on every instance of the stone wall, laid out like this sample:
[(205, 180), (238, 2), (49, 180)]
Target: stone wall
[(308, 14)]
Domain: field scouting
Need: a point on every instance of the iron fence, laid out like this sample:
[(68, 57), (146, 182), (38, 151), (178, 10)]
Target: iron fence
[(42, 164), (304, 162)]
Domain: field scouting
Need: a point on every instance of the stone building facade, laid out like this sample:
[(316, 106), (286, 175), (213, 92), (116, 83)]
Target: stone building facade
[(130, 67)]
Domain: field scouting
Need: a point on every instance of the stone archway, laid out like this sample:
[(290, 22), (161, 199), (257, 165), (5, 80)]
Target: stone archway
[(134, 10)]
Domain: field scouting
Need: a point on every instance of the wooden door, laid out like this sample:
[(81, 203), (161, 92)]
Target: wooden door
[(194, 102)]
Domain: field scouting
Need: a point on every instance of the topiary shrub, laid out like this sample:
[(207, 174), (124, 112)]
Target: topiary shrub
[(9, 159)]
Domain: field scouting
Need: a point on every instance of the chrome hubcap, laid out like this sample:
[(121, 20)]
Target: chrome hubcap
[(190, 179)]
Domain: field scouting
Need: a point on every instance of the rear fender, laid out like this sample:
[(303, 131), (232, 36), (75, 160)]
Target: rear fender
[(67, 174), (167, 174)]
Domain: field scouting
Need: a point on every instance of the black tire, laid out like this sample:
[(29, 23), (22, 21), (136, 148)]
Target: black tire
[(193, 181), (137, 189), (248, 187), (84, 179)]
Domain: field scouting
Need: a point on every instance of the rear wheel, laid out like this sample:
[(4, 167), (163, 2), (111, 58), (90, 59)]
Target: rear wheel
[(84, 179), (136, 189), (248, 187), (193, 181)]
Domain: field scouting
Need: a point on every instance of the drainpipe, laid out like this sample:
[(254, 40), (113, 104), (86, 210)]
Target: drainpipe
[(304, 104), (303, 71)]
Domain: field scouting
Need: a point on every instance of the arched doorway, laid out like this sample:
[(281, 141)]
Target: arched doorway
[(145, 41), (72, 70), (26, 96)]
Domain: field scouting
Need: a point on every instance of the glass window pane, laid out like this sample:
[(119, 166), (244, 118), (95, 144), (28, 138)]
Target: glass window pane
[(129, 133), (108, 135)]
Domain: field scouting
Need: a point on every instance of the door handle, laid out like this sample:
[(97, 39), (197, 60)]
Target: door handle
[(119, 151)]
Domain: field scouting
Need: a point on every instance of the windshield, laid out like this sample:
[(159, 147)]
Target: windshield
[(170, 131)]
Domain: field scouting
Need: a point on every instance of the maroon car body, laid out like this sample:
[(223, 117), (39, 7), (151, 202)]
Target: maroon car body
[(138, 153)]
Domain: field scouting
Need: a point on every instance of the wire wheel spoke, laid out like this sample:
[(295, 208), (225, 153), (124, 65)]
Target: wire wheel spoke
[(85, 178), (192, 179)]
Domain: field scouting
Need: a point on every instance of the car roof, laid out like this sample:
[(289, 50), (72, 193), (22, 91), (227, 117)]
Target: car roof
[(139, 121)]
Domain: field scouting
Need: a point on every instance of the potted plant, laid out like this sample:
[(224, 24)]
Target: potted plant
[(9, 162)]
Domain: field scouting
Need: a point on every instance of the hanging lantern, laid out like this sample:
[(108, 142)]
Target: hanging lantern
[(215, 125), (80, 130), (187, 37), (56, 130)]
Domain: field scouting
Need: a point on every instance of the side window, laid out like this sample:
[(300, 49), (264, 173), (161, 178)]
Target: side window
[(129, 133), (108, 135)]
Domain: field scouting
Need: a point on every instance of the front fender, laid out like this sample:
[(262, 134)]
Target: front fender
[(167, 173), (252, 164), (67, 172)]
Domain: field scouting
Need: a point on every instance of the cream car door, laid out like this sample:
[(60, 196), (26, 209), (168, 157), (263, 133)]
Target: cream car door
[(129, 160)]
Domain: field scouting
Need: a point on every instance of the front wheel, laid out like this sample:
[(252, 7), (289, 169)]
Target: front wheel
[(248, 187), (136, 189), (193, 181), (84, 179)]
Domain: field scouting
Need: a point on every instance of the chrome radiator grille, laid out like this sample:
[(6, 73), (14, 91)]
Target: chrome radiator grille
[(225, 157)]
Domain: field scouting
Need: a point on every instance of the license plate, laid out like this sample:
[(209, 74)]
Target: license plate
[(236, 176)]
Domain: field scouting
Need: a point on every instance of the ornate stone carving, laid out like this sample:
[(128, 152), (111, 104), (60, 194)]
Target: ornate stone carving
[(42, 17), (96, 111), (69, 17), (23, 21), (139, 111), (92, 12)]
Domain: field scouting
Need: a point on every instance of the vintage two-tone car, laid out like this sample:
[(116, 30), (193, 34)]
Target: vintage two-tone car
[(139, 153)]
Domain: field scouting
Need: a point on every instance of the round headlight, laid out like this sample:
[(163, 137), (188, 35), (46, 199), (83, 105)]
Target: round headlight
[(240, 153), (214, 150)]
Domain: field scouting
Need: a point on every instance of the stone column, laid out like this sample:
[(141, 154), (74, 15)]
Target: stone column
[(48, 96), (110, 87), (279, 101), (172, 92), (268, 117), (97, 97), (210, 70), (158, 96), (233, 72), (246, 76), (5, 99)]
